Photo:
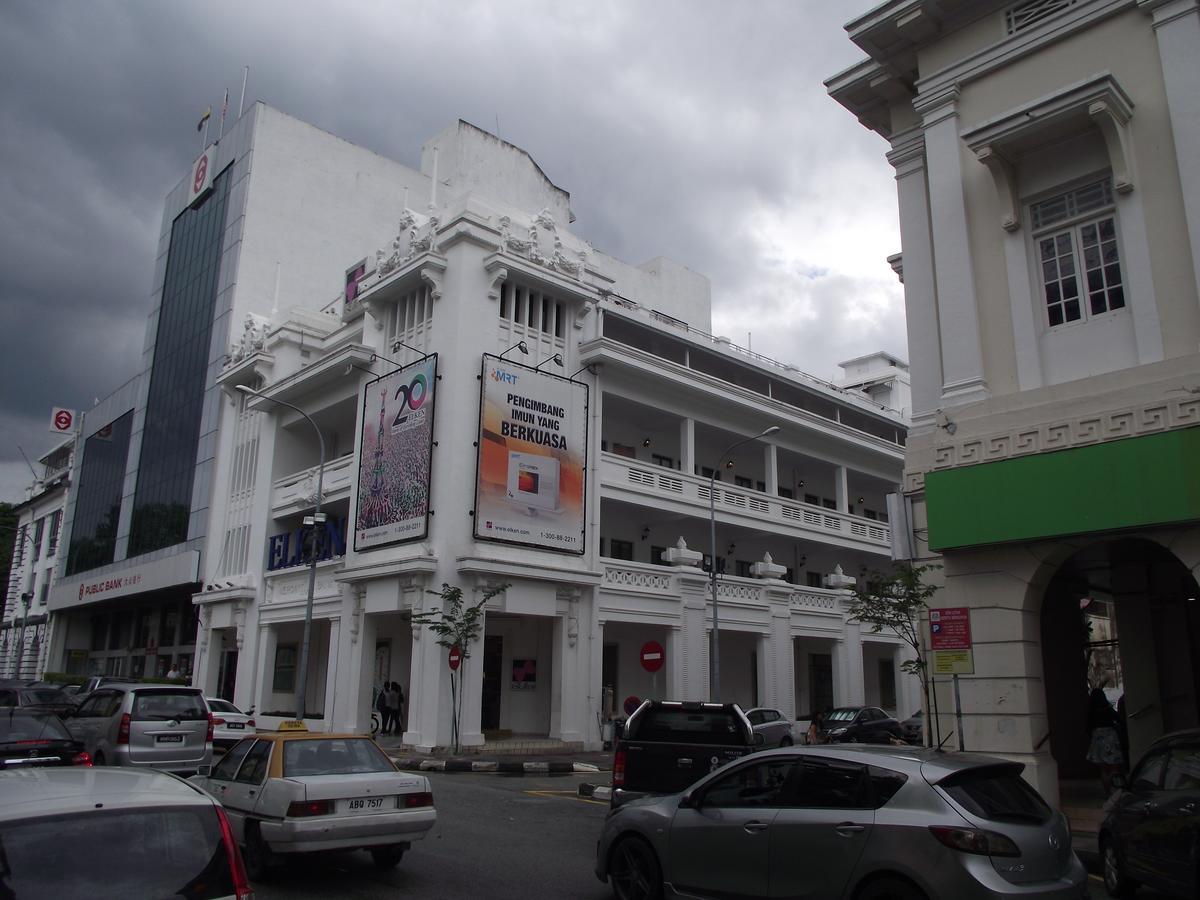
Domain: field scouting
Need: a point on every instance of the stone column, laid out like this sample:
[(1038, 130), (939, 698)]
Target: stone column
[(958, 312), (570, 705), (687, 446), (848, 689), (428, 693), (693, 638), (782, 677), (841, 489), (674, 664), (330, 705), (771, 464), (267, 640), (471, 683)]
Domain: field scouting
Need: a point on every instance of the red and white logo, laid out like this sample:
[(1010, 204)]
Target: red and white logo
[(62, 421), (201, 173)]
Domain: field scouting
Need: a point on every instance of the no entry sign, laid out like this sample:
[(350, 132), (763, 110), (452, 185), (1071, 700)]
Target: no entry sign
[(454, 659), (652, 656)]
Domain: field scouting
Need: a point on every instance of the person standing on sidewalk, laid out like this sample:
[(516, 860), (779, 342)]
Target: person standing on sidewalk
[(391, 719)]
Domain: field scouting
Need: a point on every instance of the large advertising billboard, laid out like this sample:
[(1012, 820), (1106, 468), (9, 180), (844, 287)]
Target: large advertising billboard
[(396, 448), (532, 457)]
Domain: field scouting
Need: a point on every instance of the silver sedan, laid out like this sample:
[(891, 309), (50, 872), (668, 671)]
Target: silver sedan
[(773, 725), (832, 822)]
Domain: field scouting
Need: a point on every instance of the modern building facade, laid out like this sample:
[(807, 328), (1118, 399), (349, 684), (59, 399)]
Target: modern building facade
[(24, 626), (1047, 158), (475, 397)]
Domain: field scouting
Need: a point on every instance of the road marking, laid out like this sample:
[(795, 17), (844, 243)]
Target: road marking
[(570, 795)]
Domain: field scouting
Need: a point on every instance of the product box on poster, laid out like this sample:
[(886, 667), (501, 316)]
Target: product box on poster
[(532, 459)]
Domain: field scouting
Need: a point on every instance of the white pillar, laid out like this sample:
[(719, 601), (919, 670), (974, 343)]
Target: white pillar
[(428, 691), (694, 620), (958, 313), (920, 294), (848, 689), (267, 639), (781, 678), (330, 705), (841, 489), (471, 684), (687, 446), (674, 664), (1177, 28), (771, 464)]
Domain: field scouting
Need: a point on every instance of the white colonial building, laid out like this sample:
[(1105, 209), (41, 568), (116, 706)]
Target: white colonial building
[(557, 424)]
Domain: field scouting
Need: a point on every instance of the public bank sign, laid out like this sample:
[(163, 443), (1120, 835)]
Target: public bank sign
[(183, 568)]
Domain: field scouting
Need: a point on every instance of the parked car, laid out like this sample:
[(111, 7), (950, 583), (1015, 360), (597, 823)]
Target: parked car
[(154, 726), (17, 694), (846, 821), (37, 737), (773, 725), (132, 834), (667, 744), (860, 724), (296, 792), (1151, 834), (913, 728), (230, 724), (97, 681)]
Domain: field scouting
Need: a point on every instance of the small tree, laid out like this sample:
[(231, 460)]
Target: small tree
[(896, 600), (456, 624)]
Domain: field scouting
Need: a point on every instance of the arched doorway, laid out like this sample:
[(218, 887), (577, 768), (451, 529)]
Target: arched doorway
[(1123, 615)]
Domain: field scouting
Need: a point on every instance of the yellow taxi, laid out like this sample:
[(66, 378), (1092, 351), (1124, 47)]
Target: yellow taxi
[(292, 791)]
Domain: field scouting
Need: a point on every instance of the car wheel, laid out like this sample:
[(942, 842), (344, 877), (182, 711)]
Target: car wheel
[(890, 888), (1116, 882), (387, 857), (786, 742), (258, 856), (634, 871)]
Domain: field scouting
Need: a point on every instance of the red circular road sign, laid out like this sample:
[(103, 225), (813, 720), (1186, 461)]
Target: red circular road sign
[(631, 703), (454, 660), (653, 656)]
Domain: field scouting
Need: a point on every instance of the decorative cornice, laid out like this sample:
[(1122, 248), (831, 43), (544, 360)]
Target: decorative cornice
[(908, 152), (937, 105), (540, 243)]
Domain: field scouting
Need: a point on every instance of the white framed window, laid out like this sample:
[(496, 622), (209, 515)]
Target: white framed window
[(1079, 259)]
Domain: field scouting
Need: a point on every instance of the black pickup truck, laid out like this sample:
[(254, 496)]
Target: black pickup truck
[(667, 745)]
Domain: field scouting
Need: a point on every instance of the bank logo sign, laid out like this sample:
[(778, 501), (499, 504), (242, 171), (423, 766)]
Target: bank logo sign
[(396, 450), (532, 458)]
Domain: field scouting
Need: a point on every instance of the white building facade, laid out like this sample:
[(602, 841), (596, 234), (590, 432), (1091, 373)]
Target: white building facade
[(559, 426)]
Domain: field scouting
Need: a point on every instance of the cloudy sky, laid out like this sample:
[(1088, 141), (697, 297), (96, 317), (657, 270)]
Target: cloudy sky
[(698, 130)]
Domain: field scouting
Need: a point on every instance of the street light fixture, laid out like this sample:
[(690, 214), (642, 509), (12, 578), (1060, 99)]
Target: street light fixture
[(315, 520), (715, 666)]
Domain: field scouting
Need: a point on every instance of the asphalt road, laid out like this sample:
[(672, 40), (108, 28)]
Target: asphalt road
[(497, 838)]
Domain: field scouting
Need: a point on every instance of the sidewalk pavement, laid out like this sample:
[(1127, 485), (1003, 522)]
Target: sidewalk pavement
[(577, 762)]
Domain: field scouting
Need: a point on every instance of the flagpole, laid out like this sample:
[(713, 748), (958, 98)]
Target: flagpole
[(207, 122), (224, 109), (242, 101)]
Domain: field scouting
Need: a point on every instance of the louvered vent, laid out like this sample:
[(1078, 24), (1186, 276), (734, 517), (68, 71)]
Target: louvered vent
[(1026, 15)]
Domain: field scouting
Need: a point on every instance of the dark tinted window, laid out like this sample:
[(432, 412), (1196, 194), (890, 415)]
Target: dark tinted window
[(161, 706), (174, 405), (98, 496), (228, 766), (828, 784), (334, 756), (998, 793), (760, 784), (33, 696), (1148, 775), (1183, 770), (254, 769), (28, 725), (152, 852), (884, 784), (686, 726)]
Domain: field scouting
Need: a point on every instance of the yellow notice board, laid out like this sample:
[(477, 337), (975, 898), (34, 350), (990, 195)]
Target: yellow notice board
[(954, 662)]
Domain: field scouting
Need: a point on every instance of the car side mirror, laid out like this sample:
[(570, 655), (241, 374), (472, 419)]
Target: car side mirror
[(204, 770), (1120, 782), (759, 739), (690, 801)]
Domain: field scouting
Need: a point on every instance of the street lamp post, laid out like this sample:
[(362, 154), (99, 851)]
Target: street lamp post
[(715, 688), (317, 519)]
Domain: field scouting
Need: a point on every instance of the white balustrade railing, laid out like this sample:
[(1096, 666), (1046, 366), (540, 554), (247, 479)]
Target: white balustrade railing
[(299, 489), (618, 471)]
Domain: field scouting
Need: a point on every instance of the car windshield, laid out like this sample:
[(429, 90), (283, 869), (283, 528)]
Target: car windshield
[(33, 696), (150, 852), (998, 793), (223, 706), (181, 705), (30, 725), (333, 756), (842, 715)]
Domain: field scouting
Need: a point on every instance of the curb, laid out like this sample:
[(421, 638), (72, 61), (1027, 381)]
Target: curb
[(495, 767), (596, 791)]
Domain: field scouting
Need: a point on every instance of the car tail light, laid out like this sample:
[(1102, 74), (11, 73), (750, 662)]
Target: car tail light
[(249, 723), (83, 758), (218, 722), (241, 883), (209, 736), (412, 801), (123, 729), (618, 773), (975, 840), (300, 809)]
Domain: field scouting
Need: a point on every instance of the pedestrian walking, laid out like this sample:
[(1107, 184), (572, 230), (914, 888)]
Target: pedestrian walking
[(814, 729), (173, 673), (392, 720), (381, 707)]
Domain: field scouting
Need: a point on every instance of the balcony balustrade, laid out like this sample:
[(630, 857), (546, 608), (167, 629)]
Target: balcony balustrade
[(788, 517), (297, 492)]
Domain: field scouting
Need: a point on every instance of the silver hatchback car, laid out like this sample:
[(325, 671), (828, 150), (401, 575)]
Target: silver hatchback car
[(149, 725), (859, 822)]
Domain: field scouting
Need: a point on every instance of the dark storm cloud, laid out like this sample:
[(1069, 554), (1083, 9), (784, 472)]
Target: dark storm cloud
[(699, 131)]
